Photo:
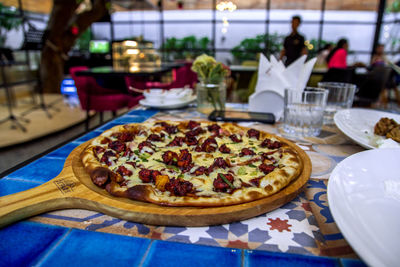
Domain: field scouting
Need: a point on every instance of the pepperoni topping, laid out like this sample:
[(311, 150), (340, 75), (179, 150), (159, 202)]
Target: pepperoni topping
[(220, 163), (267, 154), (124, 171), (154, 137), (214, 128), (127, 152), (235, 138), (224, 149), (170, 158), (185, 159), (178, 141), (266, 168), (105, 158), (193, 124), (117, 146), (124, 136), (98, 149), (145, 143), (179, 187), (200, 171), (246, 152), (170, 129), (195, 132), (148, 176), (271, 144), (132, 163), (256, 181), (209, 145), (145, 175), (191, 140), (105, 140), (220, 185), (253, 133), (271, 159)]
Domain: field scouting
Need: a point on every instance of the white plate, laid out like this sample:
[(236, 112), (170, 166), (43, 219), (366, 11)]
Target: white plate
[(358, 124), (364, 198), (179, 104)]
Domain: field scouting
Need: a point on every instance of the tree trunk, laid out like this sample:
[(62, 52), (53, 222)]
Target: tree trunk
[(59, 39)]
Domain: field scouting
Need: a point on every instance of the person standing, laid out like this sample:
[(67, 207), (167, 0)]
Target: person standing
[(293, 46)]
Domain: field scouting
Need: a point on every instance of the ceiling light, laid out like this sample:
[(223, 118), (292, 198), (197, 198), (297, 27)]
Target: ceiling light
[(226, 5)]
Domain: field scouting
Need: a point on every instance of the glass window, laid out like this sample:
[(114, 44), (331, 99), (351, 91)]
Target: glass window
[(357, 42), (101, 31), (232, 35)]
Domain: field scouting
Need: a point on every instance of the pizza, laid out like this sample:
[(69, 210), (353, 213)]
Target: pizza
[(190, 163)]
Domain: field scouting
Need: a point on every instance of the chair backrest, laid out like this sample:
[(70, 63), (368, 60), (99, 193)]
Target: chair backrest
[(339, 75), (374, 83), (81, 82), (183, 76)]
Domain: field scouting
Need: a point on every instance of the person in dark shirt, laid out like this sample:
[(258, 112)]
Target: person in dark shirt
[(293, 46)]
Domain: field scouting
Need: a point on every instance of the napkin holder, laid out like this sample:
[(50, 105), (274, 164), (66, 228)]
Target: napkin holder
[(267, 102)]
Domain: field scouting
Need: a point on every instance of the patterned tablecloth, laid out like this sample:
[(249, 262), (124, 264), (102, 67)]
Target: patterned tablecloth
[(303, 226)]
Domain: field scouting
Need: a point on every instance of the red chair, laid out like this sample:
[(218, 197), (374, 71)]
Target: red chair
[(95, 97), (180, 78)]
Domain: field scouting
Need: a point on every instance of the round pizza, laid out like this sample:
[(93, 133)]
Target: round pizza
[(190, 163)]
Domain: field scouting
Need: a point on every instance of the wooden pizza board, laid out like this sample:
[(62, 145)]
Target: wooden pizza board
[(73, 188)]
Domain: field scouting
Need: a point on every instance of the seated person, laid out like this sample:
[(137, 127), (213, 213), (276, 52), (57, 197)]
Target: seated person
[(322, 55), (378, 58), (337, 58)]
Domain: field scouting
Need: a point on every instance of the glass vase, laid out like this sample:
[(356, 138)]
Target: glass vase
[(210, 97)]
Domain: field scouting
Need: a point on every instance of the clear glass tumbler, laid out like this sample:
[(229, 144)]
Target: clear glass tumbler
[(304, 111), (341, 96)]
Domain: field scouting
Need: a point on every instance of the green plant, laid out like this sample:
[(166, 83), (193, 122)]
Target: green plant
[(394, 7), (394, 35), (249, 47), (314, 43), (9, 20), (188, 47), (82, 43)]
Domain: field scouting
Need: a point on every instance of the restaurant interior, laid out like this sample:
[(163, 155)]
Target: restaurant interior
[(322, 74)]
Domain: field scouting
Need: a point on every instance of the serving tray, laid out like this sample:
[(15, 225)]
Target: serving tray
[(73, 188)]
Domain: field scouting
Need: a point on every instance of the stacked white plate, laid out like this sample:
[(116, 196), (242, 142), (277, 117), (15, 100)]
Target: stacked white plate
[(166, 99)]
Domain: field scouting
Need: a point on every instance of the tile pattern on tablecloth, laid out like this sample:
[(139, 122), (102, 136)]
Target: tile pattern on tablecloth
[(48, 245), (332, 242), (291, 228)]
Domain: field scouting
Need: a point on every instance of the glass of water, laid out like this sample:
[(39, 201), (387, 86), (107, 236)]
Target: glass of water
[(341, 96), (304, 110)]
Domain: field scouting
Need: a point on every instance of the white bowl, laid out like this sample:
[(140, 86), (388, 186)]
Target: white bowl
[(154, 92)]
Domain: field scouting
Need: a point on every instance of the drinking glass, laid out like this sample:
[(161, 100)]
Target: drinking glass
[(304, 111), (341, 96)]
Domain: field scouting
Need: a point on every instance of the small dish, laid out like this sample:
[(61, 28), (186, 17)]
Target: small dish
[(358, 124), (168, 105)]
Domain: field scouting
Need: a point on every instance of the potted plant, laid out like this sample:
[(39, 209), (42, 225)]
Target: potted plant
[(211, 90), (9, 20), (249, 47), (186, 48)]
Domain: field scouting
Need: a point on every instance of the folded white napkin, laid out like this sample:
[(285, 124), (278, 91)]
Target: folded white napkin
[(273, 78)]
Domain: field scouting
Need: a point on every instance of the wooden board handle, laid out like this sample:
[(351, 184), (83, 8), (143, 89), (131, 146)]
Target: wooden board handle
[(46, 197)]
